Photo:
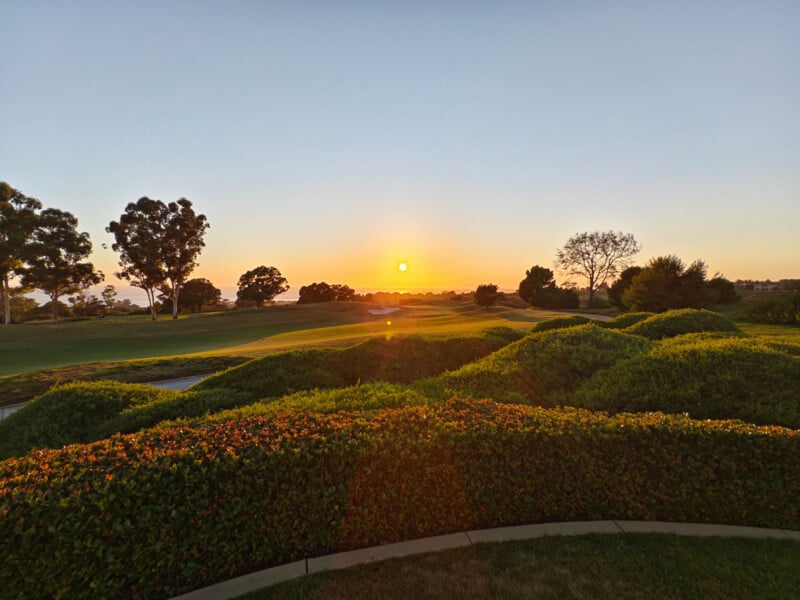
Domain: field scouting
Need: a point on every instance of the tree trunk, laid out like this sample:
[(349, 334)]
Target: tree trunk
[(175, 300), (55, 307), (6, 300)]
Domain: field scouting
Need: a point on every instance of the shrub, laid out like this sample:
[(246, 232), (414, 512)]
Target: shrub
[(626, 320), (542, 369), (707, 378), (782, 309), (678, 322), (561, 323), (165, 511), (397, 360), (71, 413)]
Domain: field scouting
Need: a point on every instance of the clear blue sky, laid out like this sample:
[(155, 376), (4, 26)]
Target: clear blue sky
[(471, 139)]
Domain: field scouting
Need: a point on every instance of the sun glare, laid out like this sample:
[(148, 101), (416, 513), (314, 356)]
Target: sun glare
[(402, 267)]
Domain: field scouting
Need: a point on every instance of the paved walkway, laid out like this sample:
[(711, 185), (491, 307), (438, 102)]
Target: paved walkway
[(179, 384), (261, 579)]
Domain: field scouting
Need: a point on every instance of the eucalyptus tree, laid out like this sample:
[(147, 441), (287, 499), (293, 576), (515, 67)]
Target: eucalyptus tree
[(56, 261), (17, 219), (158, 245)]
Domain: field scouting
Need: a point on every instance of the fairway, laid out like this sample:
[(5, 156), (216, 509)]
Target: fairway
[(249, 333)]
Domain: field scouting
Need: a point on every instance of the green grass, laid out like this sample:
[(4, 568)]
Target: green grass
[(589, 567)]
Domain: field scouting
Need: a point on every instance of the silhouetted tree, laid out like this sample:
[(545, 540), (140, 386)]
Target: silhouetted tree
[(486, 295), (666, 283), (109, 295), (56, 262), (623, 282), (596, 256), (261, 285), (197, 293), (722, 290), (539, 289), (323, 292), (158, 243), (17, 220)]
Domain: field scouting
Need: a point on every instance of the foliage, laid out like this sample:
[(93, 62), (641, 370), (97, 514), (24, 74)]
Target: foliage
[(620, 286), (561, 323), (158, 243), (56, 264), (723, 291), (486, 295), (596, 256), (539, 289), (323, 292), (626, 320), (261, 285), (777, 308), (197, 293), (165, 511), (542, 369), (17, 221), (400, 360), (679, 322), (707, 378)]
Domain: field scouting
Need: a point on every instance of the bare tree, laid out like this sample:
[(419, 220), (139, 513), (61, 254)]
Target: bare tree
[(596, 256)]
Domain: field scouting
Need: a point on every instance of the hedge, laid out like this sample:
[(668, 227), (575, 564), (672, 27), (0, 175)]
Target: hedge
[(708, 378), (398, 360), (162, 512), (626, 320), (679, 322), (543, 369), (561, 323)]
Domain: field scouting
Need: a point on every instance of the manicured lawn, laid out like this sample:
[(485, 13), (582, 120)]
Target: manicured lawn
[(587, 567)]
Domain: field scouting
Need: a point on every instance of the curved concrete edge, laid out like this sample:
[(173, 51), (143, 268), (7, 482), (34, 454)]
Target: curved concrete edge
[(252, 582)]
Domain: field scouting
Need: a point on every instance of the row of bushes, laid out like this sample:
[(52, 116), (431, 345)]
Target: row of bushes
[(399, 360), (165, 511)]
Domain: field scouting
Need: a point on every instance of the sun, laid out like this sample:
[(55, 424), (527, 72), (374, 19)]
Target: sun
[(402, 267)]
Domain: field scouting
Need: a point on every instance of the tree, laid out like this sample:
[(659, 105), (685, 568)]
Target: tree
[(323, 292), (158, 244), (56, 263), (623, 282), (667, 283), (109, 295), (723, 290), (197, 293), (85, 305), (539, 289), (486, 295), (261, 285), (596, 256), (17, 221)]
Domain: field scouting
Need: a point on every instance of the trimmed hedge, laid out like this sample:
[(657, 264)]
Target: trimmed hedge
[(561, 323), (627, 319), (89, 411), (543, 369), (162, 512), (679, 322), (398, 360), (708, 378)]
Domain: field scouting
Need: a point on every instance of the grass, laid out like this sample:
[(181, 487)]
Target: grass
[(630, 566)]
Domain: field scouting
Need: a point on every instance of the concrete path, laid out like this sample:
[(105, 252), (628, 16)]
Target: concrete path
[(179, 384), (261, 579)]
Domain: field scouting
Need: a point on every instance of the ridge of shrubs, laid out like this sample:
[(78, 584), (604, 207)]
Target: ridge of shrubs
[(165, 511)]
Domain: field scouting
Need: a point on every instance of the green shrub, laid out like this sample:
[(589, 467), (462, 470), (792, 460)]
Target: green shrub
[(780, 308), (678, 322), (71, 413), (542, 369), (397, 360), (561, 323), (162, 512), (707, 378), (626, 320)]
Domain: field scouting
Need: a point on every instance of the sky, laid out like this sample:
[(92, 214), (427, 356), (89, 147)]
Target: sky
[(334, 140)]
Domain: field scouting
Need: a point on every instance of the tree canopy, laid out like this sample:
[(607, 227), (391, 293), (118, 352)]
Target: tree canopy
[(56, 262), (486, 295), (197, 293), (323, 292), (596, 256), (261, 285), (17, 221), (158, 243), (666, 283), (539, 289)]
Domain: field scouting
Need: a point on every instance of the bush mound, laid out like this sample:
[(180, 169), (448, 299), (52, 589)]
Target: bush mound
[(88, 411), (679, 322), (398, 360), (561, 323), (627, 319), (541, 369), (708, 378), (165, 511)]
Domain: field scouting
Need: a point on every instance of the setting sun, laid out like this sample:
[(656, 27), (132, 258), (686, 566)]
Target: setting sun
[(402, 267)]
